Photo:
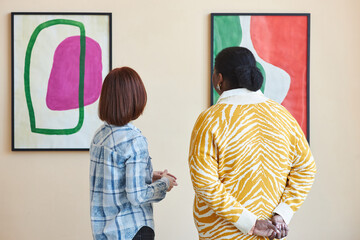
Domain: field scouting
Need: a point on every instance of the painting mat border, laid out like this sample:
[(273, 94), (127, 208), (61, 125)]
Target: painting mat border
[(13, 14)]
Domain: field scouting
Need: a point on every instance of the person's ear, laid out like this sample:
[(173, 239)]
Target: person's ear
[(221, 79), (220, 83)]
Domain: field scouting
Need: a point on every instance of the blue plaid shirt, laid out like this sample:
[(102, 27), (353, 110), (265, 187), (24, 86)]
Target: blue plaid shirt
[(121, 188)]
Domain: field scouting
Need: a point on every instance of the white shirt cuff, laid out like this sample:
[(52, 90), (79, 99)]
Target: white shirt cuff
[(167, 182), (246, 221), (285, 212)]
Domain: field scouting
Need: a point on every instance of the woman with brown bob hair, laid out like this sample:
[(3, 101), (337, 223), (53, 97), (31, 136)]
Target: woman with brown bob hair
[(123, 185)]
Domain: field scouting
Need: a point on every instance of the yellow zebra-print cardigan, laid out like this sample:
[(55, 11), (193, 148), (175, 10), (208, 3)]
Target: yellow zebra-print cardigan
[(248, 160)]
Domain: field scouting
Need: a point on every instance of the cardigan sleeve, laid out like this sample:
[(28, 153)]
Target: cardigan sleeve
[(299, 180), (137, 190), (205, 179)]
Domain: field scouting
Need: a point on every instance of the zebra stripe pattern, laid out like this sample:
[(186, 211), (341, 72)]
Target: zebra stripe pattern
[(246, 162)]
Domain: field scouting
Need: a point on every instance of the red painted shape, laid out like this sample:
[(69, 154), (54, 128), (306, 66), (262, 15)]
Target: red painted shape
[(282, 41)]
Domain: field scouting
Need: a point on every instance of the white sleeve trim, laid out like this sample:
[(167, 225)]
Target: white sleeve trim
[(246, 221), (167, 182), (285, 212)]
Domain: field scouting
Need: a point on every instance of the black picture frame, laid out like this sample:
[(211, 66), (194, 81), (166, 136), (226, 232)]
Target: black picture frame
[(307, 16), (14, 61)]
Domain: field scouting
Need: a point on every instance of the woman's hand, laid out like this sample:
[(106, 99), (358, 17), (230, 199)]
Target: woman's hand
[(280, 224), (172, 179), (157, 175), (265, 228)]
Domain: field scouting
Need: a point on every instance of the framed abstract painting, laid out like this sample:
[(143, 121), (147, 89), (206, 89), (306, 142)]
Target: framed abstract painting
[(281, 46), (59, 61)]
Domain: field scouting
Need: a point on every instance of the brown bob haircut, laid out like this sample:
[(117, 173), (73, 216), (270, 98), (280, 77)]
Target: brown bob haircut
[(123, 97)]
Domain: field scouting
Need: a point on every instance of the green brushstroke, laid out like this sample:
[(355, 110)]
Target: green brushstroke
[(81, 78), (264, 76), (227, 33)]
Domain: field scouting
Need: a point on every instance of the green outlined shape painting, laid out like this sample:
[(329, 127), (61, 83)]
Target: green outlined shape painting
[(81, 77), (55, 98)]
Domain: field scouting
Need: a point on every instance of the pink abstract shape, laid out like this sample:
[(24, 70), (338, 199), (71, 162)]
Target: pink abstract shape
[(63, 86)]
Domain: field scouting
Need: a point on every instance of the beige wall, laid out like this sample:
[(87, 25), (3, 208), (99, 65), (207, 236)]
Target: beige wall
[(44, 195)]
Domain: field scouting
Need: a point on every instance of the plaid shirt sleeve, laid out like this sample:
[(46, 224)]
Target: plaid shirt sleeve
[(140, 190)]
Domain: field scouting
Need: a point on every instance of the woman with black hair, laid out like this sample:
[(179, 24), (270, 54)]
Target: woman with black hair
[(250, 163)]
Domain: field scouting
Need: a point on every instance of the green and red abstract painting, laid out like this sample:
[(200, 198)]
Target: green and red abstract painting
[(59, 61), (280, 44)]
